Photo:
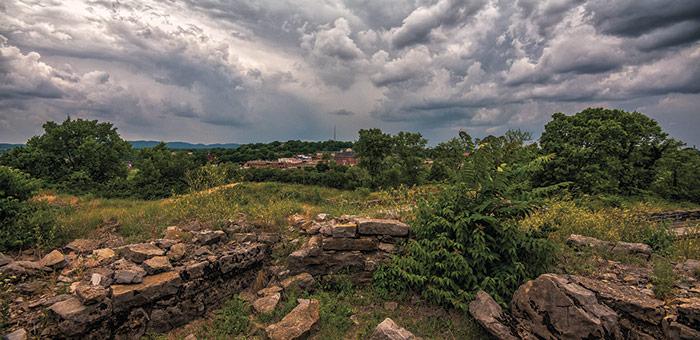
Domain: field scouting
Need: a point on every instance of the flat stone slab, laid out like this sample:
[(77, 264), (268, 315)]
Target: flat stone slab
[(267, 304), (297, 323), (140, 252), (83, 245), (389, 330), (373, 226), (54, 259), (152, 288), (157, 264), (363, 243), (344, 230)]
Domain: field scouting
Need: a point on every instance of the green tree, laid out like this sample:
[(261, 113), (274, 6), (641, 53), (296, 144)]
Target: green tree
[(603, 151), (409, 149), (677, 175), (73, 150), (22, 223), (372, 148), (161, 172)]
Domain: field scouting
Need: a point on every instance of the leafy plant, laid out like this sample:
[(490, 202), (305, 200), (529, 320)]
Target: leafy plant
[(663, 278), (467, 239)]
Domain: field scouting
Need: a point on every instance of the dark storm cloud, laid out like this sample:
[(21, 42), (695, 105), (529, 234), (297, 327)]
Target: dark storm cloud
[(217, 70)]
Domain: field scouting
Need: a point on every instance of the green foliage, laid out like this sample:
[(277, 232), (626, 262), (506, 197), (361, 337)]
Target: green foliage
[(161, 172), (467, 238), (392, 160), (232, 318), (663, 277), (603, 151), (274, 150), (23, 223), (330, 175), (210, 176), (448, 158), (92, 149), (677, 176)]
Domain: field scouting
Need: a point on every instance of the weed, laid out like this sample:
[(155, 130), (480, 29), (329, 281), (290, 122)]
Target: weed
[(232, 318), (663, 278)]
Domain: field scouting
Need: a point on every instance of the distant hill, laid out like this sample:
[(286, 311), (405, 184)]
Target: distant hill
[(6, 146), (140, 144)]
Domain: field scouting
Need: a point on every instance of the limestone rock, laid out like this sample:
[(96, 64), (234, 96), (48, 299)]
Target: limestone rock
[(90, 294), (322, 217), (368, 226), (579, 241), (627, 300), (344, 230), (269, 291), (391, 305), (269, 238), (267, 304), (389, 330), (177, 252), (297, 323), (314, 228), (244, 237), (638, 249), (4, 259), (624, 248), (157, 264), (176, 233), (689, 312), (196, 270), (104, 255), (140, 252), (387, 247), (209, 237), (675, 330), (690, 267), (303, 281), (127, 272), (83, 246), (23, 268), (152, 288), (489, 315), (554, 307), (362, 244), (54, 259), (97, 279), (19, 334)]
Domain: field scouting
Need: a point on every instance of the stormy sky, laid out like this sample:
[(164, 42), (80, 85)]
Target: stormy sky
[(244, 71)]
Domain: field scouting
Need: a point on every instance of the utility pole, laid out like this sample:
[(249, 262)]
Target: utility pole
[(333, 131)]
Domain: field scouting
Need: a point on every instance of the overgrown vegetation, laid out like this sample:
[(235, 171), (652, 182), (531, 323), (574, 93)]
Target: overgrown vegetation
[(467, 239)]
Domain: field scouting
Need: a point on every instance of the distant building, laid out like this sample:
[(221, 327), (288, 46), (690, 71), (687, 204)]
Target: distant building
[(345, 157)]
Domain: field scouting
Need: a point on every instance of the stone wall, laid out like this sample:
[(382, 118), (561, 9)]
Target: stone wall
[(675, 216), (346, 244), (126, 291)]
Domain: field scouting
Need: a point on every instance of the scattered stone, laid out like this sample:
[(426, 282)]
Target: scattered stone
[(389, 330), (177, 252), (23, 268), (4, 259), (322, 217), (362, 244), (164, 243), (690, 267), (66, 309), (54, 259), (269, 238), (210, 237), (489, 315), (368, 226), (303, 281), (312, 228), (638, 249), (391, 305), (104, 255), (50, 300), (247, 296), (326, 230), (297, 220), (140, 252), (19, 334), (355, 319), (191, 337), (297, 323), (64, 279), (157, 264), (269, 291), (623, 248), (90, 294), (266, 304), (554, 307), (244, 237), (83, 246), (196, 270), (98, 279), (689, 312), (126, 272)]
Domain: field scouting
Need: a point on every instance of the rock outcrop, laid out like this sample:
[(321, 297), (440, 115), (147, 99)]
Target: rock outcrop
[(623, 248)]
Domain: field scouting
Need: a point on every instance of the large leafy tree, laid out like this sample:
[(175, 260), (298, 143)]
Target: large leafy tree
[(85, 149), (603, 151), (409, 148), (372, 148), (677, 175), (161, 172)]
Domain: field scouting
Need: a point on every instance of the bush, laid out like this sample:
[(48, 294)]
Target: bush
[(663, 278), (467, 238), (23, 223)]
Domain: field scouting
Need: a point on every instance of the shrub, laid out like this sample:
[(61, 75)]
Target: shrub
[(467, 237), (23, 223), (663, 277)]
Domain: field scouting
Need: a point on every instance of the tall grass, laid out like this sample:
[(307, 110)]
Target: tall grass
[(266, 205)]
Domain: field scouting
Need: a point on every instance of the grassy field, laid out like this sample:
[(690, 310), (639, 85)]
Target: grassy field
[(266, 205)]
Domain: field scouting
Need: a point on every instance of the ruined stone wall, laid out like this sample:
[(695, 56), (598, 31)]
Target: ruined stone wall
[(127, 291), (352, 245), (676, 216)]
